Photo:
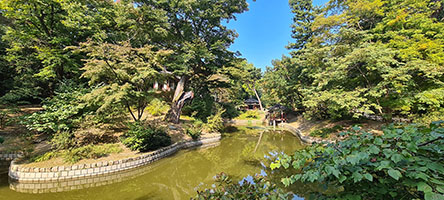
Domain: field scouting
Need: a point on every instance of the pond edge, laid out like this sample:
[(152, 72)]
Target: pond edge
[(19, 173), (305, 139)]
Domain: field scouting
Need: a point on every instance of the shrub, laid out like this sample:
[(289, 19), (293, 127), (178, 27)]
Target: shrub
[(215, 123), (143, 137), (62, 140), (195, 130), (62, 112), (157, 107), (76, 154), (230, 111), (90, 152), (94, 135), (258, 188), (403, 163), (200, 108), (26, 94), (3, 119), (6, 119), (250, 114), (325, 132), (2, 140)]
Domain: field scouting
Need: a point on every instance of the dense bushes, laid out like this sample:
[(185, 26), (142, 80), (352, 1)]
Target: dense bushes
[(230, 111), (143, 137), (62, 140), (403, 163), (62, 112), (250, 114), (195, 129), (215, 122), (157, 107), (200, 108)]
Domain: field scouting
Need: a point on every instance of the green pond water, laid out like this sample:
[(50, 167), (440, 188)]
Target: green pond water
[(178, 176)]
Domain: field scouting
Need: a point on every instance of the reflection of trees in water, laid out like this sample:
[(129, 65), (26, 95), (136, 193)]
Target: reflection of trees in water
[(182, 173)]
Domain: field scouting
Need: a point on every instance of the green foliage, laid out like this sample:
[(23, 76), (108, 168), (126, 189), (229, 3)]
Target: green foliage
[(362, 57), (36, 35), (230, 111), (325, 132), (124, 73), (2, 140), (91, 152), (85, 152), (142, 137), (404, 162), (259, 188), (62, 112), (157, 107), (195, 129), (3, 118), (62, 140), (215, 122), (201, 107), (250, 114)]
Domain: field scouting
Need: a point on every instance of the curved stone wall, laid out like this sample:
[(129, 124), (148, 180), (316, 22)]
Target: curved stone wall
[(19, 173), (6, 158), (9, 156), (88, 182)]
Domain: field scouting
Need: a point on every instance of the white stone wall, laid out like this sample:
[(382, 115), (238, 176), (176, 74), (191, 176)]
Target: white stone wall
[(83, 171), (9, 156)]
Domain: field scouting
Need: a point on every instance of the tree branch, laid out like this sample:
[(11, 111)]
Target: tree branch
[(431, 141)]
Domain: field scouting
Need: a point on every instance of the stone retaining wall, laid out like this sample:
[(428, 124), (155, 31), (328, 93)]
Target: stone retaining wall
[(9, 156), (19, 173)]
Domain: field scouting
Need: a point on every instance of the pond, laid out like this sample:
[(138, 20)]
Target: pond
[(239, 154)]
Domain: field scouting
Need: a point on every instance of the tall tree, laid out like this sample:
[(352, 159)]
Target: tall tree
[(199, 41), (40, 31), (125, 75), (304, 15), (250, 78), (368, 57)]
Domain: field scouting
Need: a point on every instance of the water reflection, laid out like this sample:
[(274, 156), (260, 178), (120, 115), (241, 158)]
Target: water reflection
[(175, 177)]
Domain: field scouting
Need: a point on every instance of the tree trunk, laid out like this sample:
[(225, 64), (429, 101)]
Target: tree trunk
[(179, 99), (258, 99), (257, 95)]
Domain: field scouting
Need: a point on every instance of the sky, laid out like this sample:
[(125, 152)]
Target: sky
[(264, 31)]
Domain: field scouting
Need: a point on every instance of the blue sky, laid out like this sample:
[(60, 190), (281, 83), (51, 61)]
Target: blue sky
[(264, 31)]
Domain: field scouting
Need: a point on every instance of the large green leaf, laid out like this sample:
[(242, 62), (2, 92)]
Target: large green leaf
[(394, 174), (433, 196), (424, 187)]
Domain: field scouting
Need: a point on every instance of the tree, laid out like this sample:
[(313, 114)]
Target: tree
[(125, 75), (37, 34), (249, 78), (304, 16), (365, 57), (199, 41)]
